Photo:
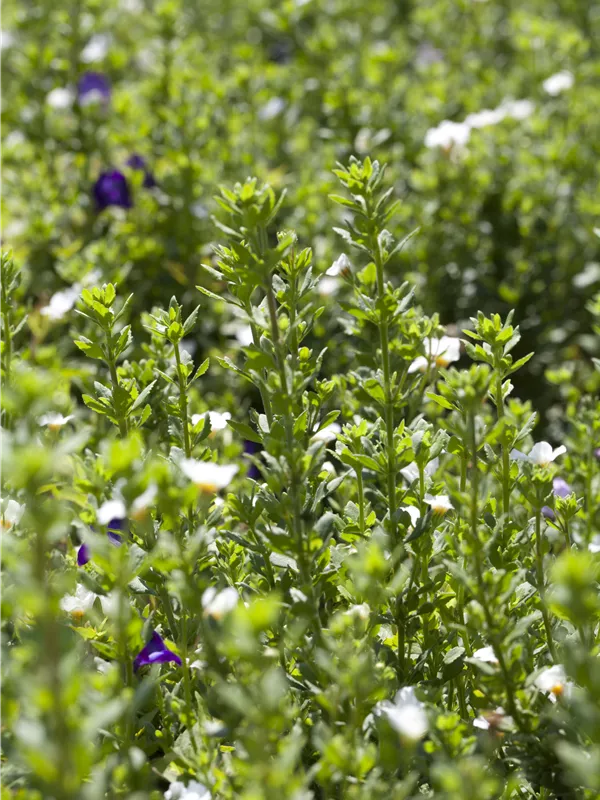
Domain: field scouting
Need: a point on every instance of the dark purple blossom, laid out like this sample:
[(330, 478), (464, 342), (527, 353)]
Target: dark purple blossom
[(83, 555), (560, 488), (138, 162), (155, 652), (113, 528), (251, 448), (92, 86), (111, 189)]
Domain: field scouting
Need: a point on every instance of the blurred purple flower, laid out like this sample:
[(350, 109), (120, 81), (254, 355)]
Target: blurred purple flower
[(114, 526), (155, 652), (93, 86), (111, 189), (560, 488), (251, 448), (83, 555), (138, 162), (597, 452)]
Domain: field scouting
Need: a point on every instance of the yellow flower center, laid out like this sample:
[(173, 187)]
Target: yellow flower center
[(441, 361), (558, 689), (209, 488)]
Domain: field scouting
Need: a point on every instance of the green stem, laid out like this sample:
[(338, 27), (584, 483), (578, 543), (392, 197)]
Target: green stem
[(589, 505), (505, 454), (121, 421), (539, 564), (183, 403), (361, 499)]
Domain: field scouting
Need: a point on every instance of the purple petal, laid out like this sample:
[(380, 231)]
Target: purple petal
[(83, 555), (112, 189), (548, 512), (155, 652), (560, 487), (251, 448), (93, 82)]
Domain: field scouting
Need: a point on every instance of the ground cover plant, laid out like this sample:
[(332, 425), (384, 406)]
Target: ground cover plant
[(300, 472)]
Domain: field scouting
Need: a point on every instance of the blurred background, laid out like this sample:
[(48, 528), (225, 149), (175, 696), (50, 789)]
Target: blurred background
[(121, 119)]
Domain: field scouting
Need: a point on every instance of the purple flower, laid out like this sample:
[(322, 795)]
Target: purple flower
[(111, 189), (251, 448), (560, 488), (597, 452), (155, 652), (139, 163), (93, 86), (83, 555), (114, 526)]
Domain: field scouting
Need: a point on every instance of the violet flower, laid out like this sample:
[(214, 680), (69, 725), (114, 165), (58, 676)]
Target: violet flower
[(138, 162), (111, 189), (93, 87), (251, 448), (114, 526), (83, 555), (155, 652), (560, 488)]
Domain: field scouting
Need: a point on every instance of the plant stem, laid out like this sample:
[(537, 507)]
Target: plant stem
[(183, 404), (121, 421), (505, 455), (589, 506), (539, 563), (361, 499)]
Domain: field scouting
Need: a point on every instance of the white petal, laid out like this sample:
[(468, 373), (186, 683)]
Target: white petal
[(111, 509), (95, 49), (339, 265), (558, 83), (60, 98), (550, 678), (486, 654), (327, 434), (420, 364)]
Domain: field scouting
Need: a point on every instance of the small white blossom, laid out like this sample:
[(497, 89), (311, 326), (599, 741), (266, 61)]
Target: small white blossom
[(193, 791), (95, 49), (518, 109), (208, 476), (490, 719), (486, 117), (407, 714), (11, 515), (327, 434), (558, 83), (362, 611), (440, 352), (411, 472), (486, 654), (340, 265), (61, 302), (540, 454), (54, 421), (447, 135), (6, 39), (328, 286), (594, 545), (218, 603), (141, 503), (81, 602), (218, 420), (553, 681), (440, 503), (412, 512), (111, 509), (271, 109), (60, 97)]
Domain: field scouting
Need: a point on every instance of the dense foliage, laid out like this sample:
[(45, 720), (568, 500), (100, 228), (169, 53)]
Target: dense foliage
[(292, 533)]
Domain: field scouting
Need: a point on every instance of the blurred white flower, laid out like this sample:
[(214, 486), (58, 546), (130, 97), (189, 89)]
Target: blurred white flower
[(412, 512), (486, 117), (111, 509), (362, 611), (140, 505), (486, 654), (448, 134), (558, 83), (327, 434), (95, 49), (208, 476), (193, 791), (60, 98), (594, 545), (218, 420), (407, 714), (61, 302), (518, 109), (411, 472), (440, 503), (440, 352), (6, 39), (490, 719), (218, 603), (11, 515), (339, 266), (55, 421), (271, 109), (81, 602), (540, 454), (328, 286), (553, 681)]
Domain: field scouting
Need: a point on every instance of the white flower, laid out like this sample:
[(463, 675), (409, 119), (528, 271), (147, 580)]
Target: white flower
[(54, 421), (486, 117), (490, 719), (216, 604), (111, 509), (61, 302), (140, 505), (540, 454), (440, 352), (193, 791), (558, 83), (447, 134), (411, 472), (6, 39), (407, 714), (11, 515), (95, 49), (208, 476), (328, 286), (340, 265), (362, 611), (60, 97), (218, 420), (79, 603), (440, 503), (594, 545), (412, 512), (327, 434), (486, 654), (553, 681), (518, 109), (272, 108)]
